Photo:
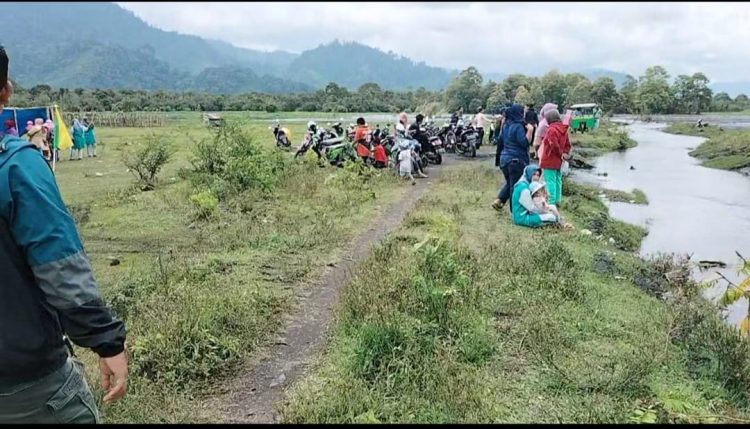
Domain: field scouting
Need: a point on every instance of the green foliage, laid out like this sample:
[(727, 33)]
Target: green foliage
[(206, 204), (464, 90), (231, 162), (147, 159)]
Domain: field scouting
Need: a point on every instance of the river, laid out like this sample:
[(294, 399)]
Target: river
[(692, 209)]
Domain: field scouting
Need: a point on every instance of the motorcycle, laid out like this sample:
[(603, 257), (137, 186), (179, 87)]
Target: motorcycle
[(431, 151), (467, 137), (447, 134), (282, 136)]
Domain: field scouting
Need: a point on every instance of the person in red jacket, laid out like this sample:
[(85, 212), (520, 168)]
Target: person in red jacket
[(556, 148), (361, 140), (381, 158)]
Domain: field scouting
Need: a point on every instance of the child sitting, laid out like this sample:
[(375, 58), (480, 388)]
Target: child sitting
[(381, 158), (546, 211)]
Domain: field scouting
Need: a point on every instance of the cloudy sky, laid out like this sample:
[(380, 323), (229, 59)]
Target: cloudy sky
[(495, 37)]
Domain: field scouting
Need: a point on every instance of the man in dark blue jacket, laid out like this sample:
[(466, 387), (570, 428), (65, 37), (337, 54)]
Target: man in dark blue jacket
[(514, 154), (47, 290)]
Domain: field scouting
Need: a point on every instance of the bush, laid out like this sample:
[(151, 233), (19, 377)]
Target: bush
[(147, 159), (230, 163), (205, 203)]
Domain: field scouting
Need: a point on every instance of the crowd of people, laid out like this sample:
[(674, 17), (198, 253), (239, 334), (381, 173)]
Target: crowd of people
[(41, 134), (533, 190)]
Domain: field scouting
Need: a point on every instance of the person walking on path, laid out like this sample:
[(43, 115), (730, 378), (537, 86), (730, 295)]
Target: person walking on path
[(48, 289), (480, 122)]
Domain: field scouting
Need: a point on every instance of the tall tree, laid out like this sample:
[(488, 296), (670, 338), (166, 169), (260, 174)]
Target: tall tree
[(512, 83), (654, 92), (554, 88), (466, 87), (604, 92), (523, 96)]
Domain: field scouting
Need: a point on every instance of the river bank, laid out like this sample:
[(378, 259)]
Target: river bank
[(726, 149), (460, 316)]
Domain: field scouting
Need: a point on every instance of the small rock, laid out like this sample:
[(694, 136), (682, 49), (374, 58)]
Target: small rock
[(113, 261), (611, 240), (331, 264), (281, 342), (632, 168), (98, 175), (586, 232), (278, 380)]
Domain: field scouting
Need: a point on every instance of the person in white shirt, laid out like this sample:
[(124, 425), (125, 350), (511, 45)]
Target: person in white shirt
[(480, 122)]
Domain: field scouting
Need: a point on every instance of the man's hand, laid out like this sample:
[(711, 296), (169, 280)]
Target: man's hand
[(529, 127), (114, 376)]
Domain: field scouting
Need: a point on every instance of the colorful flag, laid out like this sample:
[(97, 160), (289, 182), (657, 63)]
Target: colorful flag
[(62, 136)]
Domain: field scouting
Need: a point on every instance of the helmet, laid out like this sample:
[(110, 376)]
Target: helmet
[(311, 125)]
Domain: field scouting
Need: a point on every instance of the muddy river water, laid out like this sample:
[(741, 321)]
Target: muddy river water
[(692, 209)]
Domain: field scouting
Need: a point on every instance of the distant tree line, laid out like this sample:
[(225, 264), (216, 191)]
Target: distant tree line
[(651, 93)]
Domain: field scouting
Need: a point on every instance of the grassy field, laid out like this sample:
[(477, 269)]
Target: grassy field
[(724, 149), (607, 138), (461, 317), (199, 296)]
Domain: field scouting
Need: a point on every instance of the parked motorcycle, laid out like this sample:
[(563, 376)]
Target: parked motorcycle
[(467, 139), (282, 136)]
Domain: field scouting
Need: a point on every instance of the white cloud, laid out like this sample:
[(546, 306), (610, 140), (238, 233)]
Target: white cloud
[(495, 37)]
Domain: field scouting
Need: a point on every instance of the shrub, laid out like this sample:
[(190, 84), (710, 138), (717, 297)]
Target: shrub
[(230, 163), (206, 204), (147, 159)]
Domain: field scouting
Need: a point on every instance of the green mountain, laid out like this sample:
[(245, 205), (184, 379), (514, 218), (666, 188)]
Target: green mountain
[(352, 64)]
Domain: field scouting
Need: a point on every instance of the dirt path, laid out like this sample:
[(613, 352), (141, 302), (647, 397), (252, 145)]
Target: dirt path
[(252, 398)]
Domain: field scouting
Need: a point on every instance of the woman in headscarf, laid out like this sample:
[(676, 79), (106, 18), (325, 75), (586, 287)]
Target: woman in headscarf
[(79, 141), (525, 212), (555, 149), (90, 138), (514, 156), (542, 129), (36, 134), (10, 128)]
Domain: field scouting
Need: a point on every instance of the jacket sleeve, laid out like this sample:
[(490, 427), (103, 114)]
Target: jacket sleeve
[(566, 147), (520, 136), (527, 202), (46, 233)]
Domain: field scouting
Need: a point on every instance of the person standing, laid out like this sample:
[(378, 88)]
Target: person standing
[(531, 117), (556, 148), (79, 140), (479, 122), (48, 290), (514, 155), (456, 116), (37, 135), (541, 130), (89, 138)]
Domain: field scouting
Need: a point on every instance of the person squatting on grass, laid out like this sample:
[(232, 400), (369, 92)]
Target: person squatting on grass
[(48, 289), (555, 149)]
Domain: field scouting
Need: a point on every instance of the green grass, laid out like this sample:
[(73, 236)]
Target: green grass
[(723, 149), (607, 138), (199, 296), (463, 317), (637, 196)]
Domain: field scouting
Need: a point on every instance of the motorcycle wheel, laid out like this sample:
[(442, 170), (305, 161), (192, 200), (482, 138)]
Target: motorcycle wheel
[(438, 159), (450, 140)]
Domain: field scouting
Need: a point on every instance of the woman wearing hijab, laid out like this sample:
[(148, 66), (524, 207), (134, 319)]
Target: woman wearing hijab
[(514, 156), (542, 129), (10, 128), (525, 212), (90, 138), (79, 141), (555, 149)]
